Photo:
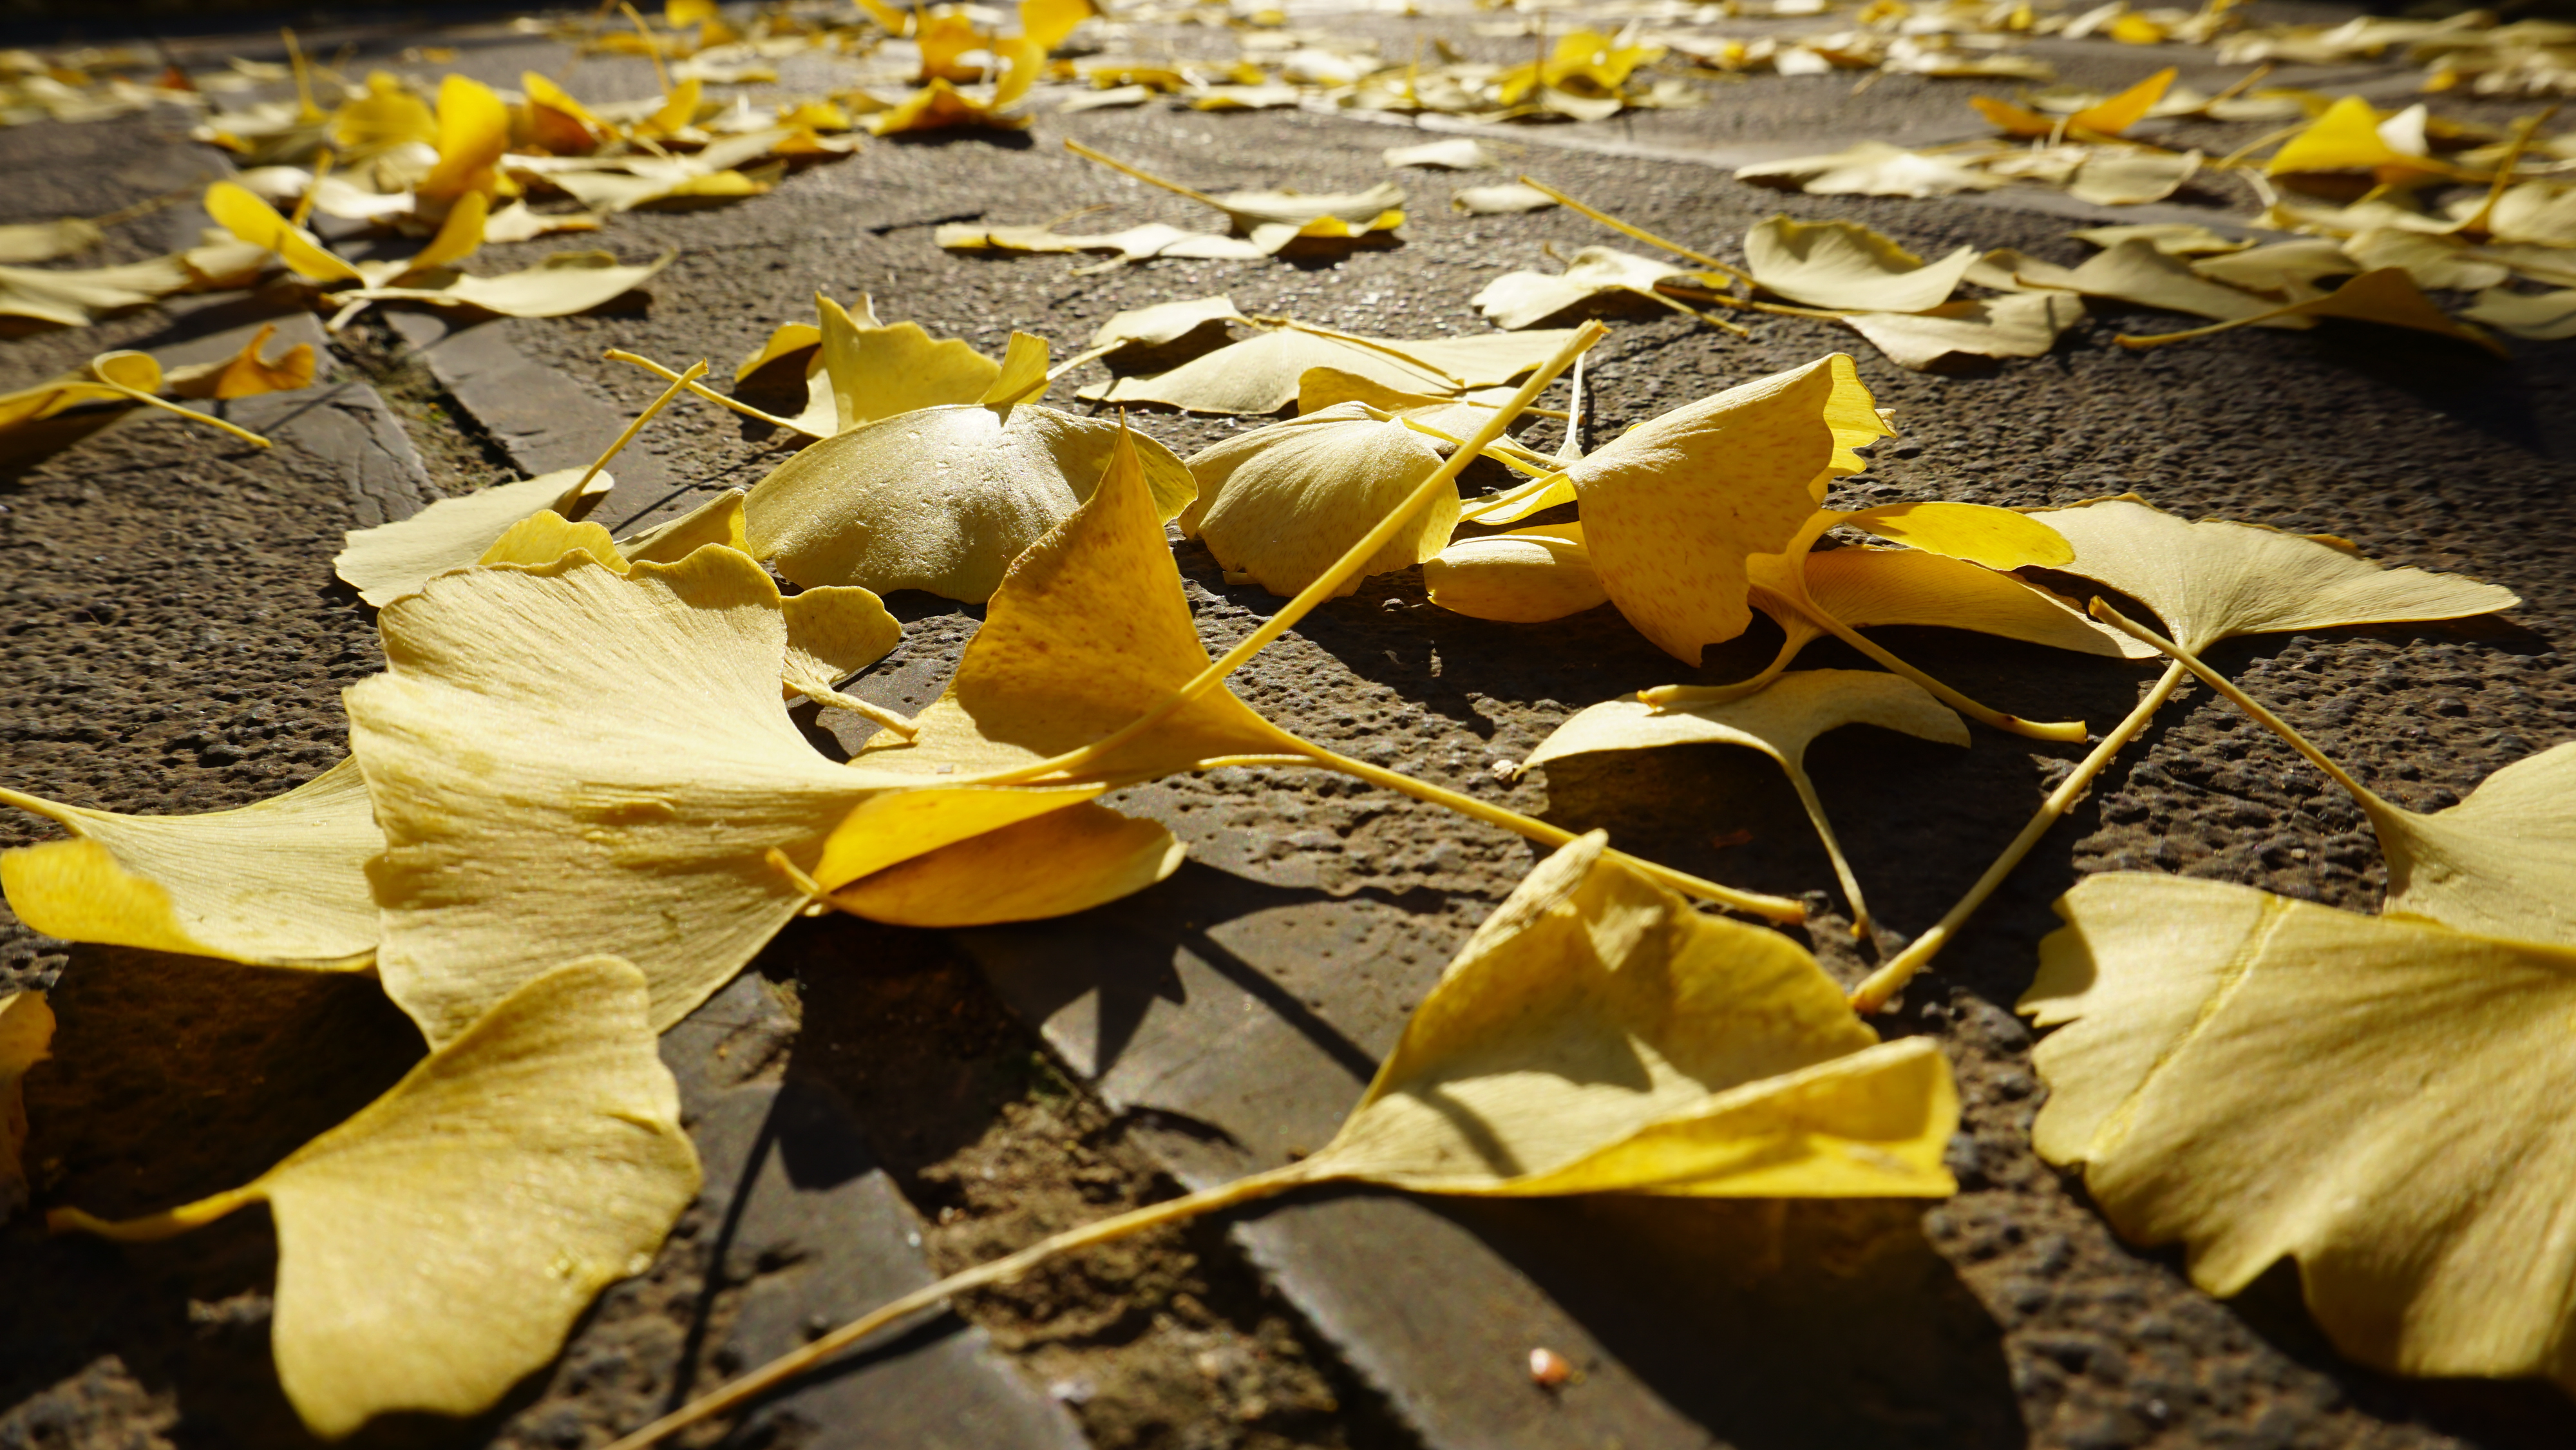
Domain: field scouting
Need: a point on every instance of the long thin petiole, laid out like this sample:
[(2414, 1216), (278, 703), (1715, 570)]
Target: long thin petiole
[(702, 390), (1890, 979), (191, 414), (1149, 178), (1640, 233), (1773, 908), (787, 1366), (1833, 848), (165, 1224), (696, 371), (2036, 730)]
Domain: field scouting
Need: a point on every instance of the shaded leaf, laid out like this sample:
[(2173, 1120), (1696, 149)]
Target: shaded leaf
[(1846, 265), (2025, 325), (26, 1032), (437, 1247)]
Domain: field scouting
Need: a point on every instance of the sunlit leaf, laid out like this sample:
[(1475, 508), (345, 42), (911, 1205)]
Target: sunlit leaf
[(473, 131), (2347, 138), (568, 761), (2541, 316), (563, 284), (2025, 325), (1846, 265), (1871, 168), (1501, 199), (1281, 504), (1053, 865), (1780, 721), (1528, 576), (24, 242), (1260, 374), (2136, 272), (437, 1247), (246, 374), (388, 115), (2131, 177), (860, 507), (2266, 1079), (1521, 299), (279, 883), (388, 561), (76, 298)]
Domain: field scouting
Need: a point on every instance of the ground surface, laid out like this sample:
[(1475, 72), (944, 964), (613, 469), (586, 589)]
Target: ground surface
[(875, 1104)]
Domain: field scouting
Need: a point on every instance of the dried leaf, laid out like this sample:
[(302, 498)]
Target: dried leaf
[(246, 374), (1528, 576), (875, 372), (26, 1032), (2025, 325), (1136, 244), (2135, 272), (1597, 1035), (567, 761), (2434, 263), (2110, 177), (2287, 269), (1461, 153), (1054, 865), (1846, 265), (1260, 374), (1522, 299), (1871, 168), (2214, 580), (1501, 199), (1781, 721), (854, 508), (2543, 316), (563, 284), (280, 883), (2347, 138), (389, 561), (2386, 296), (1165, 323), (69, 298), (24, 242), (473, 131), (437, 1247), (1282, 503), (2263, 1078), (2174, 239)]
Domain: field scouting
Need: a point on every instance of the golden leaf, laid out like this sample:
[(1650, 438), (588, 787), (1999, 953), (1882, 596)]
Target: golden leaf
[(392, 560), (26, 1031), (436, 1248), (1846, 265), (1282, 503)]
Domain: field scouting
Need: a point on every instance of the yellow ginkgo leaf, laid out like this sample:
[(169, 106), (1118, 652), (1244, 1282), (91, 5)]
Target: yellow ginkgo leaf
[(874, 371), (473, 131), (1522, 299), (1047, 22), (2214, 579), (1275, 219), (1596, 1035), (833, 633), (1053, 865), (236, 210), (436, 1248), (246, 374), (26, 1032), (2347, 138), (2117, 114), (1781, 721), (2500, 863), (2541, 316), (2386, 295), (2262, 1078), (861, 508), (1871, 168), (1261, 373), (2135, 271), (717, 521), (2024, 325), (545, 536), (1847, 265), (559, 286), (1528, 576), (388, 115), (1281, 504), (558, 123), (281, 883), (2207, 581), (2131, 176), (1674, 508), (568, 761), (388, 561)]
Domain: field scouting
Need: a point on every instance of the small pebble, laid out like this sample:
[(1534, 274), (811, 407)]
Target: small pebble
[(1548, 1369)]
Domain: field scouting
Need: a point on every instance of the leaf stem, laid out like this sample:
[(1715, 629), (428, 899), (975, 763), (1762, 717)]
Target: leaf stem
[(1331, 580), (1890, 979), (696, 370), (615, 354), (191, 414), (1149, 178), (1771, 908), (1001, 1270), (168, 1223), (1640, 233), (2036, 730)]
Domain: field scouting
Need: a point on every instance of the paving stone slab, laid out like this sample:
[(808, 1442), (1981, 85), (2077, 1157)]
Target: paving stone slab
[(350, 427)]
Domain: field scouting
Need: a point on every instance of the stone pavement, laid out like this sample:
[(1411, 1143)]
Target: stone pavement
[(1232, 1014)]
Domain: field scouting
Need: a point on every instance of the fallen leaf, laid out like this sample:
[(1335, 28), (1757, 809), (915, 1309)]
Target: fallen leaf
[(1523, 299), (390, 561), (2175, 239), (1136, 244), (2023, 325), (69, 298), (2542, 316), (473, 132), (559, 286), (565, 761), (1528, 576), (2433, 263), (1501, 199), (2215, 579), (1846, 265), (1053, 865), (280, 883), (26, 1032), (24, 242), (873, 371), (1781, 721), (1260, 374), (437, 1247), (2347, 138), (2131, 177), (515, 223), (1461, 153), (388, 115), (1272, 220), (853, 510), (246, 374), (2135, 272), (2289, 270), (2262, 1078), (1870, 168), (2386, 296), (1281, 504)]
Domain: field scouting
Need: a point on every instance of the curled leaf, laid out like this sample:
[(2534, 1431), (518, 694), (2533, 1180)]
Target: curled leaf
[(1282, 503), (2025, 325), (1528, 576), (1780, 721), (392, 560), (280, 883), (1521, 299), (436, 1248), (246, 374), (559, 286), (1846, 265), (1052, 865)]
